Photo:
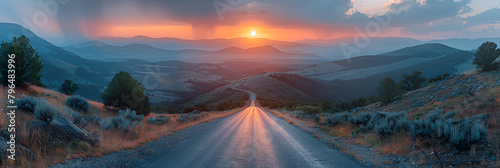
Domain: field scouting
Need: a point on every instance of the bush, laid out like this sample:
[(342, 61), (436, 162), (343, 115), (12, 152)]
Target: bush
[(130, 114), (191, 117), (45, 111), (69, 87), (334, 119), (361, 119), (391, 124), (158, 120), (449, 115), (117, 123), (95, 118), (26, 103), (434, 128), (310, 109), (72, 115), (78, 103), (316, 118)]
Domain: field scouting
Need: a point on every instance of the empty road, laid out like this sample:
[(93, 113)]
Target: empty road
[(252, 138)]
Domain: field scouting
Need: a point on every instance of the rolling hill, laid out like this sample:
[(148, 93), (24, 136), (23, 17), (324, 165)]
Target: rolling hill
[(360, 76)]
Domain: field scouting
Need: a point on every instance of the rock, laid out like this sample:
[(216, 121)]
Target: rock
[(63, 129)]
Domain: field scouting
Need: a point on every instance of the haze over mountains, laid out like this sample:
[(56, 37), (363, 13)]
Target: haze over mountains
[(101, 51), (175, 70)]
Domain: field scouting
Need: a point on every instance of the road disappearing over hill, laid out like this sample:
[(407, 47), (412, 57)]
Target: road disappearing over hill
[(252, 138)]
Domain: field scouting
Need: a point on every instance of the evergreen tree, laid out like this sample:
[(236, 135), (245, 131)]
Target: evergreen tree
[(125, 92), (27, 64)]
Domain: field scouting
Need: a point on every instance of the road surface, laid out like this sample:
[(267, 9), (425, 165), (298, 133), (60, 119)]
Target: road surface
[(252, 138)]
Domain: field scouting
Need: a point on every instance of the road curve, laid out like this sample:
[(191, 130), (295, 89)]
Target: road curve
[(252, 138)]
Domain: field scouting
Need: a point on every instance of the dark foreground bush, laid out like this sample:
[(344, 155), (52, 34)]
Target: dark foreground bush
[(391, 124), (72, 115), (45, 111), (117, 123), (192, 117), (158, 120), (130, 114), (334, 119), (78, 103), (457, 133), (27, 103), (310, 109), (361, 119)]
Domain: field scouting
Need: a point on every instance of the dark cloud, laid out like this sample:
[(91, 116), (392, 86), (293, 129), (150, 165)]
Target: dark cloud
[(457, 23), (411, 12), (323, 16)]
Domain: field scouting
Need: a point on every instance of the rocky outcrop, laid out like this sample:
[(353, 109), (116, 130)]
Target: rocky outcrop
[(63, 129)]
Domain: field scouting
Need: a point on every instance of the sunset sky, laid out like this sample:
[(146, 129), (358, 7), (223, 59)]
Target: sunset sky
[(287, 20)]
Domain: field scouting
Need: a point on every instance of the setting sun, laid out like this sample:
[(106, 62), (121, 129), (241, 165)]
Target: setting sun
[(253, 33)]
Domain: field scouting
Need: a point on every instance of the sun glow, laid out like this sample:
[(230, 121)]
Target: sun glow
[(253, 33)]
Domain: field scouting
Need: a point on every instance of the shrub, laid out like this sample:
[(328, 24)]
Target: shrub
[(117, 123), (45, 111), (334, 119), (316, 118), (191, 117), (72, 115), (465, 134), (434, 128), (95, 118), (78, 103), (26, 103), (450, 114), (361, 119), (392, 123), (310, 109), (130, 114), (158, 120), (69, 87)]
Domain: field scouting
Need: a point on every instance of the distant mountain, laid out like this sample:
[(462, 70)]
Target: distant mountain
[(203, 44), (348, 47), (465, 44), (150, 53), (379, 41), (93, 43)]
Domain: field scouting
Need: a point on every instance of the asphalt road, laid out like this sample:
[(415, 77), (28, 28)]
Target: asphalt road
[(252, 138)]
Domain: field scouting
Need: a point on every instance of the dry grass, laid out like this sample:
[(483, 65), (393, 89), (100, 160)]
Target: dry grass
[(398, 144)]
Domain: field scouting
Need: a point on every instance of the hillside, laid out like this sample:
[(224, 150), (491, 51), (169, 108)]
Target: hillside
[(360, 76), (270, 88), (475, 97)]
